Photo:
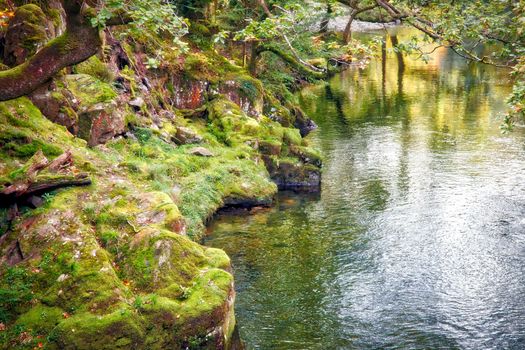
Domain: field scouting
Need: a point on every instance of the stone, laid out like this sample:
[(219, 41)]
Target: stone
[(201, 151), (137, 103), (100, 123), (292, 174), (185, 136), (270, 148), (57, 104), (188, 93), (247, 94), (35, 202), (26, 33)]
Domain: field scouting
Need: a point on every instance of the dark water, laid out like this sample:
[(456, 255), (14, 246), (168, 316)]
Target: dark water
[(417, 240)]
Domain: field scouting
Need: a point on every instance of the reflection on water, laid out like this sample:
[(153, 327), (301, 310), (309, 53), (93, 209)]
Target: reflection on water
[(417, 240)]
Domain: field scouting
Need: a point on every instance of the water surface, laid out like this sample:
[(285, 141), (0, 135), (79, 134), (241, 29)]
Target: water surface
[(417, 240)]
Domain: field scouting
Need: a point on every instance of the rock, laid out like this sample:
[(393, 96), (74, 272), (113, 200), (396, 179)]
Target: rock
[(62, 277), (290, 174), (303, 123), (185, 136), (245, 92), (26, 33), (269, 147), (201, 151), (57, 104), (137, 103), (188, 93), (35, 201), (100, 122)]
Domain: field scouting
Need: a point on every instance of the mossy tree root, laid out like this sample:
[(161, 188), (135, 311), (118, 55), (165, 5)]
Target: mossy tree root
[(290, 59), (39, 176)]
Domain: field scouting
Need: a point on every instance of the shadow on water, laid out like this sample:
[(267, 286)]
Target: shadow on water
[(417, 240)]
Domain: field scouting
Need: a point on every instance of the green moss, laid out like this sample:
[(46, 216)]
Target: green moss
[(41, 319), (218, 258), (95, 68), (121, 329), (17, 118), (32, 18), (90, 90), (15, 292), (292, 136)]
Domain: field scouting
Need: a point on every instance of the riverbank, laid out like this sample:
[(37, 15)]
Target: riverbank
[(115, 263)]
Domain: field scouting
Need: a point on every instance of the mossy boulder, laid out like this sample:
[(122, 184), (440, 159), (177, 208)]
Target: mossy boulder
[(26, 33), (99, 116), (290, 173), (95, 68), (57, 103)]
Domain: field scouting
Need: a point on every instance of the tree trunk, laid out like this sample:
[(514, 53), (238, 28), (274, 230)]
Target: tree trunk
[(79, 42), (347, 35), (252, 66)]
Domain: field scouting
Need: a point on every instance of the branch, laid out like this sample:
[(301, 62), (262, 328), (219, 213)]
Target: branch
[(425, 26), (290, 46), (79, 42), (290, 59)]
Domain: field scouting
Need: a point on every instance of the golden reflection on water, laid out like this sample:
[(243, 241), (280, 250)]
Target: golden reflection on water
[(417, 240)]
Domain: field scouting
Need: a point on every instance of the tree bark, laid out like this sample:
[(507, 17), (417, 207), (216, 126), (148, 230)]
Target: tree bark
[(254, 55), (347, 35), (79, 42)]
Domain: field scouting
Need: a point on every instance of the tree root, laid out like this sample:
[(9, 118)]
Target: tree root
[(39, 176)]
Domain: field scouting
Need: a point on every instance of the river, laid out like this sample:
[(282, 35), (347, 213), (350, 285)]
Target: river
[(417, 239)]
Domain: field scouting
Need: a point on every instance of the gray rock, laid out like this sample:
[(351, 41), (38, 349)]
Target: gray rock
[(201, 151), (137, 102)]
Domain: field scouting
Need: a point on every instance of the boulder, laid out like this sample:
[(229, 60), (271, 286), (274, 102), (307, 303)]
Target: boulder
[(293, 174), (26, 33), (58, 105), (100, 122), (201, 151), (184, 136)]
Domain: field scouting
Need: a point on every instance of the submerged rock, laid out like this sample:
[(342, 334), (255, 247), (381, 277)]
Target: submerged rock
[(293, 174)]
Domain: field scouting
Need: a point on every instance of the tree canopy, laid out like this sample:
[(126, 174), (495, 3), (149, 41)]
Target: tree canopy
[(282, 27)]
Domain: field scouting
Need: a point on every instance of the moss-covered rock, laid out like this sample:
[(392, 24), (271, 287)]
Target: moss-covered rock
[(96, 68), (25, 35), (107, 266), (99, 115)]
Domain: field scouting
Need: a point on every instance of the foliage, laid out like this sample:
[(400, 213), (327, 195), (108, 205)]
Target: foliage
[(5, 16), (153, 22)]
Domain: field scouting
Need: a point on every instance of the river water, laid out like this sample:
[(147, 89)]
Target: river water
[(417, 240)]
